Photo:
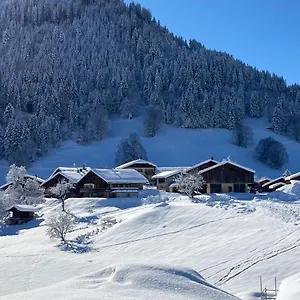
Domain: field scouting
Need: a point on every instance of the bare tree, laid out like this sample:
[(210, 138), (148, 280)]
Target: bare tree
[(61, 191), (59, 226), (189, 184)]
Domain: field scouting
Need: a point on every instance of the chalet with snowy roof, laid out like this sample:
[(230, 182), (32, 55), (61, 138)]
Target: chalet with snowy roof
[(226, 177), (164, 180), (273, 184), (27, 177), (202, 166), (295, 176), (257, 185), (111, 183), (71, 175), (20, 214), (146, 168)]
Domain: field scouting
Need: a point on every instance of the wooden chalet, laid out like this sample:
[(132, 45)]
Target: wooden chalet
[(20, 214), (257, 185), (226, 177), (111, 183), (71, 175), (273, 184), (144, 167), (165, 179)]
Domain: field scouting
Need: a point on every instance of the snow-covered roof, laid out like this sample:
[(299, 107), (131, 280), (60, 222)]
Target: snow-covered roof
[(125, 191), (120, 175), (5, 186), (38, 179), (263, 179), (134, 162), (79, 170), (291, 177), (272, 181), (224, 162), (166, 174), (202, 163), (24, 208), (72, 174), (277, 185), (180, 169)]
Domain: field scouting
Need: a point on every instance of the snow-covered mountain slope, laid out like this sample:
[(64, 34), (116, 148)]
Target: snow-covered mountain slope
[(172, 147), (151, 248)]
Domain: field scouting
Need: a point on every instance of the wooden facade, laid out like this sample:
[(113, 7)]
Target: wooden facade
[(92, 185), (47, 185), (226, 178), (18, 216), (147, 170)]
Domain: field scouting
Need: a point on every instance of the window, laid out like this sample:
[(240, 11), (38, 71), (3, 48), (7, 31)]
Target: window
[(215, 188), (161, 180), (89, 186), (239, 188)]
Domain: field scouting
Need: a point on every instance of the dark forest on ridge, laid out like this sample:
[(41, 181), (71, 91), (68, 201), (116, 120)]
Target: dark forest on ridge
[(67, 67)]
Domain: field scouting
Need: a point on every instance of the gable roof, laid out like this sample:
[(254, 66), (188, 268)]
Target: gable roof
[(134, 162), (225, 162), (180, 169), (263, 179), (273, 181), (277, 185), (166, 174), (71, 174), (23, 208), (38, 179), (70, 170), (202, 163), (291, 177), (120, 176)]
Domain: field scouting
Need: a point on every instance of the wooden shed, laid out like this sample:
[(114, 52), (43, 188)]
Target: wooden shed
[(20, 214)]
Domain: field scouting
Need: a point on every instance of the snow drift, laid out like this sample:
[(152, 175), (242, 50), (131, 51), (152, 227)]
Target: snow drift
[(131, 282), (292, 189), (290, 288)]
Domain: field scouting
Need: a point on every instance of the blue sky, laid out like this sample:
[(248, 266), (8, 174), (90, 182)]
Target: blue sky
[(262, 33)]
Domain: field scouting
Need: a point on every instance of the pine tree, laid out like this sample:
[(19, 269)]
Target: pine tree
[(278, 121)]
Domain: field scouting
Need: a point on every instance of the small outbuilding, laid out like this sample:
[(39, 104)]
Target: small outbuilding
[(20, 214)]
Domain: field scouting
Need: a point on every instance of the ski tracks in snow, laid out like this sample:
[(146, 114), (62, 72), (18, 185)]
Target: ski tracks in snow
[(169, 233), (254, 259)]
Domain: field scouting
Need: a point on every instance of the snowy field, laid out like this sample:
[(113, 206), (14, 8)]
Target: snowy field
[(163, 246), (172, 147)]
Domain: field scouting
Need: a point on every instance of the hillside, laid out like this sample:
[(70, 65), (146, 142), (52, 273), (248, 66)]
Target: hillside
[(172, 147), (170, 249), (70, 66)]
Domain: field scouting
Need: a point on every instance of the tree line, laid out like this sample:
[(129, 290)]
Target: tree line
[(67, 67)]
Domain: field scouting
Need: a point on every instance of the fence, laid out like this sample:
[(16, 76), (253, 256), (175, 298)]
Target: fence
[(268, 294)]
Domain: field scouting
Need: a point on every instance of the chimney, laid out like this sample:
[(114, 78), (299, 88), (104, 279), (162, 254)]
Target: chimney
[(84, 167), (212, 158)]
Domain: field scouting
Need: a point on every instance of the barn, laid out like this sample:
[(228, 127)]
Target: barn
[(226, 177)]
